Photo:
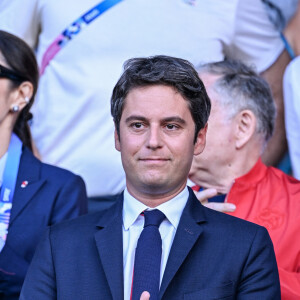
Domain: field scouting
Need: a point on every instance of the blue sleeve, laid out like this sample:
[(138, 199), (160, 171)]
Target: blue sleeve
[(260, 279)]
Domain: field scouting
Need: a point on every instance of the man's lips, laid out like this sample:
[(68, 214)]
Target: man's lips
[(154, 159)]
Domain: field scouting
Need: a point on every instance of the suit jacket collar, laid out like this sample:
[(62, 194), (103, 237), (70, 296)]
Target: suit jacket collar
[(29, 171), (188, 232), (110, 247)]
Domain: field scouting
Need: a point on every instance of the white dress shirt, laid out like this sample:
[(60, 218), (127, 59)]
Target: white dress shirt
[(133, 224)]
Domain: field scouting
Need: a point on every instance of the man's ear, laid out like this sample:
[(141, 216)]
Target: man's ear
[(201, 140), (245, 127), (22, 94), (117, 141)]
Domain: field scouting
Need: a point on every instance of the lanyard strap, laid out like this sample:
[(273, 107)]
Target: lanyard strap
[(73, 29), (287, 46), (8, 186), (11, 169)]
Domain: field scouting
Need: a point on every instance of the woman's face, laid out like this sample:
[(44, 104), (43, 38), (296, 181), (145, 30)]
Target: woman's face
[(6, 93)]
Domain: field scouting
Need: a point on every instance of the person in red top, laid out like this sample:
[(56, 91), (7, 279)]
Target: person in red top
[(230, 168)]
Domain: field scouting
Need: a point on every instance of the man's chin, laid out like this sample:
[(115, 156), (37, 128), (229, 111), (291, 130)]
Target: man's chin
[(156, 187)]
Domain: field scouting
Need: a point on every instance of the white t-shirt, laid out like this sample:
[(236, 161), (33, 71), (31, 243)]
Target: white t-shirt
[(72, 125)]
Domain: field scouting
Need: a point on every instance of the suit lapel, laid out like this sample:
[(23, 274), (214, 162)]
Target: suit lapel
[(110, 248), (29, 174), (188, 232)]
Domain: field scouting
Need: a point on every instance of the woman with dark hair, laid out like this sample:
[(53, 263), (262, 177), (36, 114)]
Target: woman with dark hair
[(33, 195)]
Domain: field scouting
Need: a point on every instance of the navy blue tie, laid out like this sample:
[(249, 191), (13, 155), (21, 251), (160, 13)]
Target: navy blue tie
[(146, 272)]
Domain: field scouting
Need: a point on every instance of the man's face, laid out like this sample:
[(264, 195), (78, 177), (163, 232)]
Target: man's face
[(207, 168), (157, 141)]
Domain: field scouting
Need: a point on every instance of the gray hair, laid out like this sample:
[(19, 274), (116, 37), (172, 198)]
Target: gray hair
[(240, 88), (170, 71)]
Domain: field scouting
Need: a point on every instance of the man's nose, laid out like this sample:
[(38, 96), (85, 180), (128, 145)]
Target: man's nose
[(154, 138)]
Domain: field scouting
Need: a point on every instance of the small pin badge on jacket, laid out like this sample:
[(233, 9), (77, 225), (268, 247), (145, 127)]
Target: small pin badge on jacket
[(24, 184)]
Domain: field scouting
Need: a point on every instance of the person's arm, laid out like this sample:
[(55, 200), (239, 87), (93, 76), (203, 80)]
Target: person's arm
[(292, 93), (292, 33), (40, 280), (292, 113), (277, 145), (71, 200), (259, 276)]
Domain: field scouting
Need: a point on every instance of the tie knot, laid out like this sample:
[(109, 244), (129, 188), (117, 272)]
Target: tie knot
[(153, 217)]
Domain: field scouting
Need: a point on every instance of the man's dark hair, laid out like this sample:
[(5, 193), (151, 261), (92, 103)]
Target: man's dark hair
[(162, 70), (240, 88)]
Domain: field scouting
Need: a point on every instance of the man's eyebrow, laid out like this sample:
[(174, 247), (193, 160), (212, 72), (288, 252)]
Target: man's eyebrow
[(175, 119), (165, 120), (135, 118)]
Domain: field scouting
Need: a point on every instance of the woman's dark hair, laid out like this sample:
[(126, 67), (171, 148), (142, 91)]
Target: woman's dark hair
[(21, 59)]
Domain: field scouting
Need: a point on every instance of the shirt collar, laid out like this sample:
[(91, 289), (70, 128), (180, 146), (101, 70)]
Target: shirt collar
[(2, 166), (172, 209), (256, 174)]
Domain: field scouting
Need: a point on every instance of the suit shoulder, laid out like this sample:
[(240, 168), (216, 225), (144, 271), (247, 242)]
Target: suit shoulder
[(240, 236), (46, 170), (57, 172), (79, 226), (85, 226)]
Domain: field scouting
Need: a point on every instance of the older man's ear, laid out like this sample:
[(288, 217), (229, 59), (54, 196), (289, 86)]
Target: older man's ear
[(245, 127)]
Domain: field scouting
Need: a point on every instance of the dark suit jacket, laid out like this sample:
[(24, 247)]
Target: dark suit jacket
[(213, 256), (52, 195)]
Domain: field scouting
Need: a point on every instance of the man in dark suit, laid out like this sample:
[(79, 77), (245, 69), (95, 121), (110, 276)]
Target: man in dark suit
[(160, 109)]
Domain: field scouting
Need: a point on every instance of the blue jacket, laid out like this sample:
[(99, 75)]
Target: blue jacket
[(213, 256), (51, 196)]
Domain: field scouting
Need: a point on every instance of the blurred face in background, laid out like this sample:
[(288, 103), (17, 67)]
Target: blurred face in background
[(209, 167)]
